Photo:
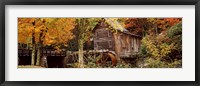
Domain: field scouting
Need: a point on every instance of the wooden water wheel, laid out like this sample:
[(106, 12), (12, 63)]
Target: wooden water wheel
[(107, 59)]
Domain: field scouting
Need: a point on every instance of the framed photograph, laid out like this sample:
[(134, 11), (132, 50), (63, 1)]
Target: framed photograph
[(106, 42)]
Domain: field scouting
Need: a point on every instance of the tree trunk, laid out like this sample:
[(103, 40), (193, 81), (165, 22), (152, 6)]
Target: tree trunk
[(39, 48), (80, 54), (38, 54), (33, 49)]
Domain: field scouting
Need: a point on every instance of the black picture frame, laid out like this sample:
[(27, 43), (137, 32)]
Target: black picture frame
[(98, 2)]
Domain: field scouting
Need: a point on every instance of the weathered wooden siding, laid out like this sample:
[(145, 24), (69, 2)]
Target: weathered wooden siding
[(103, 39), (126, 45)]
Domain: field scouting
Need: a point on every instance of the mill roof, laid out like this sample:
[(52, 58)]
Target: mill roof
[(117, 26)]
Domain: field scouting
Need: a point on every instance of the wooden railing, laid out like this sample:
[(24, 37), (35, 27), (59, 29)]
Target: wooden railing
[(46, 52)]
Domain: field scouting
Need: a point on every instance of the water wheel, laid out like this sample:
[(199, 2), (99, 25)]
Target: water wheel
[(107, 59)]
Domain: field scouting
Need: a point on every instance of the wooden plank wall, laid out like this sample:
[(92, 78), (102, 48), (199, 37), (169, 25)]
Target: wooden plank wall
[(126, 45), (103, 39)]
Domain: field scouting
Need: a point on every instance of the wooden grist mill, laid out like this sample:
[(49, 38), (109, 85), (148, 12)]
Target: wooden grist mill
[(122, 44)]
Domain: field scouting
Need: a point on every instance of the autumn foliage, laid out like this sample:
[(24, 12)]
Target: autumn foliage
[(162, 39), (54, 31)]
